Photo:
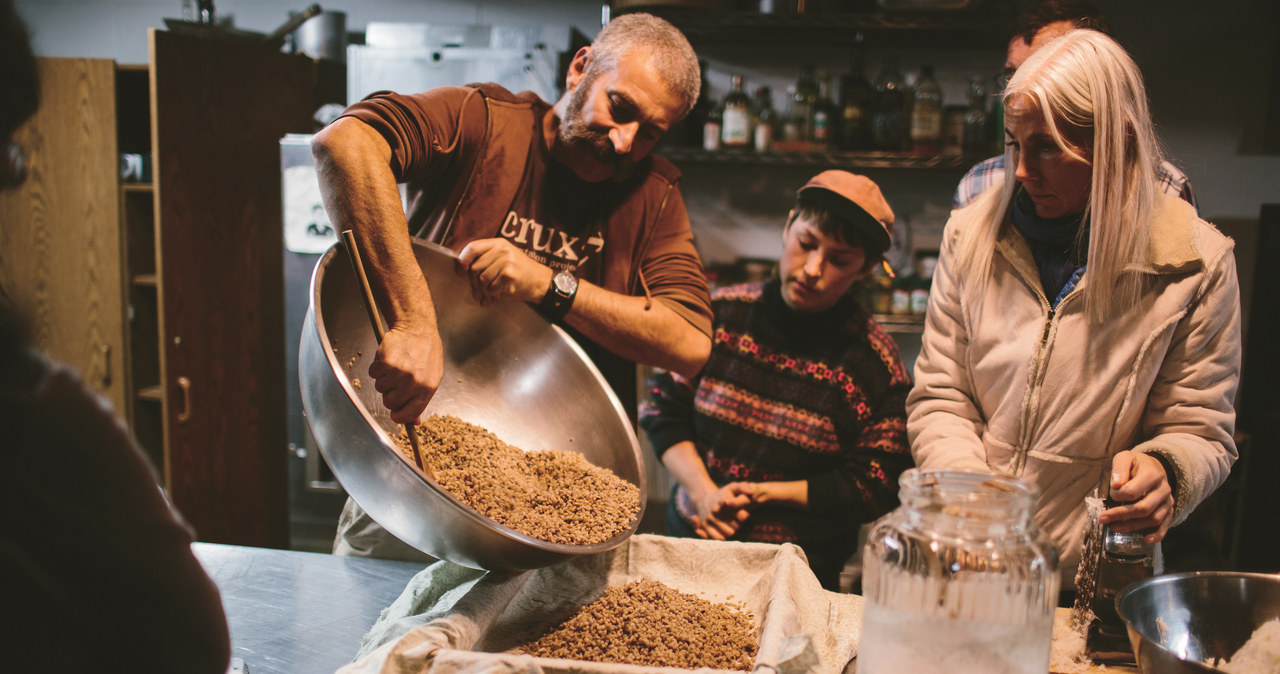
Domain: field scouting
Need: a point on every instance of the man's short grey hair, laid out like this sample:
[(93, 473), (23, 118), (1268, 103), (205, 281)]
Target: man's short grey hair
[(669, 52)]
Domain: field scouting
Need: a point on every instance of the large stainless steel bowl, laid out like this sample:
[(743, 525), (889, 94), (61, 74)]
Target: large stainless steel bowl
[(506, 369), (1178, 621)]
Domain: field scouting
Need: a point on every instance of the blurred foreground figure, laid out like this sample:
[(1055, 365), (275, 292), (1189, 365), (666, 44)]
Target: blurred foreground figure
[(96, 568)]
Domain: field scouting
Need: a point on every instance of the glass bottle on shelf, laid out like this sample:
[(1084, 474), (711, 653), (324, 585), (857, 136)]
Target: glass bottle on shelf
[(976, 138), (690, 131), (900, 302), (711, 129), (790, 127), (879, 289), (888, 120), (856, 101), (919, 297), (926, 263), (823, 130), (735, 119), (953, 130), (926, 114), (803, 101), (766, 120)]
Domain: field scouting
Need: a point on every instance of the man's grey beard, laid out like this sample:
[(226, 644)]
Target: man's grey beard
[(574, 132)]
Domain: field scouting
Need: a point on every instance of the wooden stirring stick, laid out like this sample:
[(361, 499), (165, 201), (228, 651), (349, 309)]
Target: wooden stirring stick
[(349, 240)]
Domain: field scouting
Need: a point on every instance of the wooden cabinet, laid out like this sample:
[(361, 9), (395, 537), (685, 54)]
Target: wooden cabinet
[(59, 232), (219, 109), (168, 295)]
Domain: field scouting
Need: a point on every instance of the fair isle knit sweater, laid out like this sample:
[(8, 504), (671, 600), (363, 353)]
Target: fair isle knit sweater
[(790, 396)]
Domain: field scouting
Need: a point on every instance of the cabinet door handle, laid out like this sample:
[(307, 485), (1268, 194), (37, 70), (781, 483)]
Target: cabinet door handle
[(105, 351), (184, 387)]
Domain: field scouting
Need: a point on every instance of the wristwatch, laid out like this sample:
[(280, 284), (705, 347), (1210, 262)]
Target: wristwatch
[(559, 297)]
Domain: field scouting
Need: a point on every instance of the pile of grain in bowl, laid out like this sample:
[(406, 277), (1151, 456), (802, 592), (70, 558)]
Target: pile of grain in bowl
[(1260, 654), (551, 495), (649, 624)]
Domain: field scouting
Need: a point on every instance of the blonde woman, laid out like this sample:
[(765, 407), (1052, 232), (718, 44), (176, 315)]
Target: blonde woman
[(1084, 328)]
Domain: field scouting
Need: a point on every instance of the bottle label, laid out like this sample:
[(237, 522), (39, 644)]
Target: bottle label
[(821, 126), (926, 123), (791, 130), (711, 136), (736, 127), (901, 301), (919, 301), (886, 129), (764, 137)]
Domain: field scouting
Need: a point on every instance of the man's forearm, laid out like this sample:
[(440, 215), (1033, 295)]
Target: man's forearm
[(655, 336), (360, 194)]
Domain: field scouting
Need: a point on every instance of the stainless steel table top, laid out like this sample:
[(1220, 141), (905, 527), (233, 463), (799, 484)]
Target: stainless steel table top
[(294, 612)]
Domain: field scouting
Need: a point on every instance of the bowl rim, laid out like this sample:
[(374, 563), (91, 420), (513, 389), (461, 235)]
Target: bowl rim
[(1170, 578)]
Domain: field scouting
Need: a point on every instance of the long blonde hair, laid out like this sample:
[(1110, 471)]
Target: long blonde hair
[(1087, 86)]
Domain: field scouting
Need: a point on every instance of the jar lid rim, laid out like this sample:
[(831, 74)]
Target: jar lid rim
[(966, 486)]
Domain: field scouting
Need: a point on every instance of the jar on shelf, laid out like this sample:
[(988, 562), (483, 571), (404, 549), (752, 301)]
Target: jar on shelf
[(958, 579)]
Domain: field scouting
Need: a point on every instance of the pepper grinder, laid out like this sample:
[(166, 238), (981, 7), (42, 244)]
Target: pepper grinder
[(1125, 558)]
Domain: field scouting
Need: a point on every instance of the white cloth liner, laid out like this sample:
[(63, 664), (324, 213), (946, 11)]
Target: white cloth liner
[(454, 619)]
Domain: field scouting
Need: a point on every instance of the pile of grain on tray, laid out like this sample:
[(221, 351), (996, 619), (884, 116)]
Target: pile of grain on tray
[(649, 624), (551, 495)]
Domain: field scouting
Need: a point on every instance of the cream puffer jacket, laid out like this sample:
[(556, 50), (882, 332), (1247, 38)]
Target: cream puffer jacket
[(1004, 384)]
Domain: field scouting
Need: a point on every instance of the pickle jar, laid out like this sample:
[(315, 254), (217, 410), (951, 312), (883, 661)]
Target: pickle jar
[(958, 579)]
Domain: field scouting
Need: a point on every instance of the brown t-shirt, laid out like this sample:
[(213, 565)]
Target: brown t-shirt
[(556, 218), (477, 167)]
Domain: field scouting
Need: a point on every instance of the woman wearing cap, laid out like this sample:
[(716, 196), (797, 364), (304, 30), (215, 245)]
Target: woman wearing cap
[(794, 431), (1083, 329)]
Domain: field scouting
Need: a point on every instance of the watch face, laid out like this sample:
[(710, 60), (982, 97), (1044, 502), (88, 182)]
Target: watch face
[(565, 283)]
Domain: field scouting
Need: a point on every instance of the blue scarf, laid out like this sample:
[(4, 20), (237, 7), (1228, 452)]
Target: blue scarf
[(1053, 242)]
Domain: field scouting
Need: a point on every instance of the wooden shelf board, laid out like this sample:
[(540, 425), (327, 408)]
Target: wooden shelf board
[(900, 323)]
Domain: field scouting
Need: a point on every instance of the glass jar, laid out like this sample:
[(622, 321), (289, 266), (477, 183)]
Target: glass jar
[(958, 579)]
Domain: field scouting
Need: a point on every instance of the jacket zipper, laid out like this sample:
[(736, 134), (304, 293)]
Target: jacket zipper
[(1032, 403)]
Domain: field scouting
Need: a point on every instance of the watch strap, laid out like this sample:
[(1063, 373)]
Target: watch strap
[(556, 301)]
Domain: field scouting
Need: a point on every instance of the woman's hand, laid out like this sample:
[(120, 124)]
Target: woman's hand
[(717, 514), (1139, 483)]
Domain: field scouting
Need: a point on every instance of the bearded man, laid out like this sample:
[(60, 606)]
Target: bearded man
[(562, 206)]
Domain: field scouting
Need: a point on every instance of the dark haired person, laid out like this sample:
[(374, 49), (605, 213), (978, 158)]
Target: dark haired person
[(96, 568), (795, 431)]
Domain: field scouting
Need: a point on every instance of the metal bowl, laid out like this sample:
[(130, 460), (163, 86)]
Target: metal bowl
[(1178, 621), (506, 369)]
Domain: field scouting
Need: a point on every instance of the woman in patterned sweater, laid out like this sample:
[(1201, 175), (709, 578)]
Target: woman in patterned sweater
[(795, 430)]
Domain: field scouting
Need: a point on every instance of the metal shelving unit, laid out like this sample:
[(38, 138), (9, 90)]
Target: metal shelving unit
[(846, 160), (936, 29)]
